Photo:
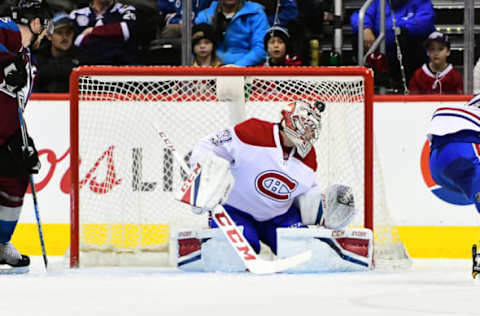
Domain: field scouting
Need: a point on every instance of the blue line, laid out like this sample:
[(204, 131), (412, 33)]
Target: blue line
[(319, 213), (457, 115), (195, 258), (196, 185), (474, 100), (340, 253)]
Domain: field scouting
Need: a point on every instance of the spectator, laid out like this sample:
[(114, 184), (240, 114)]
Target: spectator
[(104, 31), (239, 28), (286, 13), (171, 11), (203, 46), (414, 20), (476, 77), (315, 22), (437, 76), (315, 14), (56, 59), (278, 47)]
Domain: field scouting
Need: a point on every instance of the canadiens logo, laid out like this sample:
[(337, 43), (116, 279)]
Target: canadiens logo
[(275, 185)]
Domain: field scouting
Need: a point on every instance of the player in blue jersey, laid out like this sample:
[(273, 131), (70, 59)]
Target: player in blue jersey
[(454, 137), (19, 27)]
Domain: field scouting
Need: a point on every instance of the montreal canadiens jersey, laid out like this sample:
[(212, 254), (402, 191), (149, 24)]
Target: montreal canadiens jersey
[(452, 119), (266, 179), (10, 44)]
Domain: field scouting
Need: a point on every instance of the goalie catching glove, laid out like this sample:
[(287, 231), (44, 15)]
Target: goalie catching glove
[(333, 208), (208, 185)]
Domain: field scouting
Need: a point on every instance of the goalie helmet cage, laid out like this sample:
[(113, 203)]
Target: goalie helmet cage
[(123, 178)]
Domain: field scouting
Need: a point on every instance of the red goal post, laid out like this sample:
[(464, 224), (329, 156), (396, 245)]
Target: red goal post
[(98, 94)]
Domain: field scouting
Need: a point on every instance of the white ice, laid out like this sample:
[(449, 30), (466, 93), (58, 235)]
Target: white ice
[(429, 287)]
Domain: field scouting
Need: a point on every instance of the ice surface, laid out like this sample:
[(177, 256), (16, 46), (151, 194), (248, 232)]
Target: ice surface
[(429, 287)]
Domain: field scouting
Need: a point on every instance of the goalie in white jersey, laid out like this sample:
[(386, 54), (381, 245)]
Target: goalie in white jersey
[(271, 166), (454, 137)]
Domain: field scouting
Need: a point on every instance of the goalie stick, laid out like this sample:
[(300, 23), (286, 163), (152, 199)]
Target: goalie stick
[(231, 231)]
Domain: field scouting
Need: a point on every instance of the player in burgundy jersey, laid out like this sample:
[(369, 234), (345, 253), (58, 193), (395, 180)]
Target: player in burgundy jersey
[(273, 175), (18, 29)]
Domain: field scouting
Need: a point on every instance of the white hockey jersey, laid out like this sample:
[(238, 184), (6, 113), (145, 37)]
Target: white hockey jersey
[(452, 119), (266, 180)]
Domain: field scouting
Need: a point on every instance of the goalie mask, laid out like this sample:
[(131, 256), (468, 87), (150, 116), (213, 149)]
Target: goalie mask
[(301, 122)]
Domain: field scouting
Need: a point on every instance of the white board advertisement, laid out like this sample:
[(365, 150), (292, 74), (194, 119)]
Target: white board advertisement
[(400, 129)]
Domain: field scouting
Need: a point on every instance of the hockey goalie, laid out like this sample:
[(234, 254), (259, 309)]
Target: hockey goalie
[(263, 174)]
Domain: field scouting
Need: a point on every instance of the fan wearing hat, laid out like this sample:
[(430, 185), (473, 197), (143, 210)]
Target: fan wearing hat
[(58, 57), (203, 46), (60, 33), (277, 45), (437, 76)]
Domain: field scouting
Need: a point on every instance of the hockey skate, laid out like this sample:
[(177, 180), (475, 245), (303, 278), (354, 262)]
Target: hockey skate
[(11, 261)]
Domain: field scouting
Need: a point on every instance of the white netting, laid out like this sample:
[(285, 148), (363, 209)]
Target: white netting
[(128, 177)]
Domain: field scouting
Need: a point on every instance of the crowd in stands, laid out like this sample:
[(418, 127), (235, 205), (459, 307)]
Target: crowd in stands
[(247, 33)]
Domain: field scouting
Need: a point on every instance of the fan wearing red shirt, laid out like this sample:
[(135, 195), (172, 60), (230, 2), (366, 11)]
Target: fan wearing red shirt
[(437, 76)]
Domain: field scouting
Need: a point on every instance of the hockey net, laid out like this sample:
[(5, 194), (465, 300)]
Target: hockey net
[(124, 179)]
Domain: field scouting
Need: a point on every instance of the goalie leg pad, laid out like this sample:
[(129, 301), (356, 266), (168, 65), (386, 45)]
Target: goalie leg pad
[(248, 224), (268, 229), (219, 256), (332, 250), (206, 250)]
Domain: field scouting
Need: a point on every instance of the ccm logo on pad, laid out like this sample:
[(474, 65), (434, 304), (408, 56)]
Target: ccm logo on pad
[(275, 185)]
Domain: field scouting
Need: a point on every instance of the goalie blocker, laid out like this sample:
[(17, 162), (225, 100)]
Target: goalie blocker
[(332, 250)]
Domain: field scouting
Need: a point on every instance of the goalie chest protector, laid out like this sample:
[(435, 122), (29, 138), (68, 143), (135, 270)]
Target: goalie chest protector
[(265, 182)]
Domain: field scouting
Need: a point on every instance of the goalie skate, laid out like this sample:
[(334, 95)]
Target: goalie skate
[(11, 261)]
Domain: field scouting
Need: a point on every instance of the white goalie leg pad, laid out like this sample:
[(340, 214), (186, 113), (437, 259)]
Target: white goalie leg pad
[(205, 250), (209, 183), (332, 250)]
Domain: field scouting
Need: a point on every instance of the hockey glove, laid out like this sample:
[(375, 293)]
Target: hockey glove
[(15, 74), (26, 160), (333, 207), (345, 195)]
